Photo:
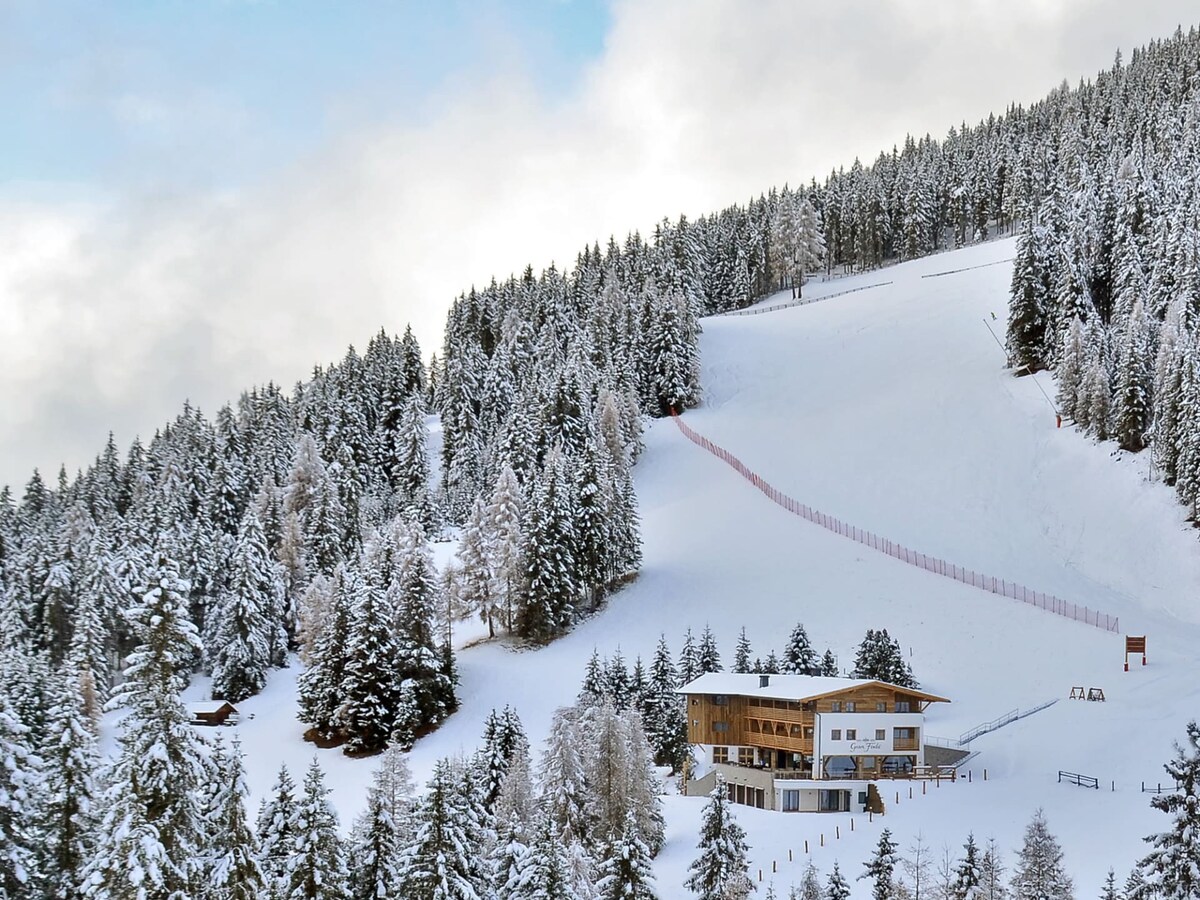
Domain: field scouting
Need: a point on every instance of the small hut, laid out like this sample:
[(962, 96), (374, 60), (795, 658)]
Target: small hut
[(214, 712)]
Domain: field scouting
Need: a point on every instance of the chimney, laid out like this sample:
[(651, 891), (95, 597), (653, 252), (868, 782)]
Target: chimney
[(764, 680)]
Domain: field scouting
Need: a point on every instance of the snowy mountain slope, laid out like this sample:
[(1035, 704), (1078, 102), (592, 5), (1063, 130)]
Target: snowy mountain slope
[(889, 408)]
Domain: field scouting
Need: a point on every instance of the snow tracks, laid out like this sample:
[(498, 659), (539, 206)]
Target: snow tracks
[(988, 583)]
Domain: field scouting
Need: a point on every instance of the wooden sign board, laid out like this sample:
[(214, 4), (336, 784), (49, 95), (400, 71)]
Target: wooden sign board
[(1135, 644)]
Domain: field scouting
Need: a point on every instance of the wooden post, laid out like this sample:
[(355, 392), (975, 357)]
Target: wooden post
[(910, 792), (851, 824), (897, 798), (774, 867), (806, 846), (985, 774), (822, 839), (837, 832), (789, 854), (968, 776), (923, 785)]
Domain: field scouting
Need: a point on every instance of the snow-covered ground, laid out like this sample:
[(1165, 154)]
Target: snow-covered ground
[(889, 408)]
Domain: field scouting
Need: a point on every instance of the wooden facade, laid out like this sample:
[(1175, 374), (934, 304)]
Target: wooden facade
[(802, 727), (219, 712)]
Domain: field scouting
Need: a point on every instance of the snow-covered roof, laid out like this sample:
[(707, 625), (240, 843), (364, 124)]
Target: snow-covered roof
[(785, 687)]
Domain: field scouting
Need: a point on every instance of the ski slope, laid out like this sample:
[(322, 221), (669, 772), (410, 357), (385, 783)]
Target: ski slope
[(889, 408)]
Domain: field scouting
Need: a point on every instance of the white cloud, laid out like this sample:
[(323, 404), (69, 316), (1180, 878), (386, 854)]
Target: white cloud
[(110, 317)]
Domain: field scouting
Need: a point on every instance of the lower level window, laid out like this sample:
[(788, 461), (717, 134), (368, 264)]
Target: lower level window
[(746, 756), (791, 801), (720, 754)]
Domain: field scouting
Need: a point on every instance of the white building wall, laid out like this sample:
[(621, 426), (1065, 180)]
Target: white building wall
[(865, 724)]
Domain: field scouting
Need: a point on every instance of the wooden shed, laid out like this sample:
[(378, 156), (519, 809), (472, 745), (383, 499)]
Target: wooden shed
[(214, 712)]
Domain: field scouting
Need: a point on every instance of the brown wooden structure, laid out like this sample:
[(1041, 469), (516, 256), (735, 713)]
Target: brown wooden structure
[(1135, 645), (217, 712)]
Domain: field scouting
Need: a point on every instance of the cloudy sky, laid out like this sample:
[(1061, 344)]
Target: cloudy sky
[(200, 196)]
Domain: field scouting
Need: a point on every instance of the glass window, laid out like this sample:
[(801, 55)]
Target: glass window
[(881, 734), (903, 706), (836, 734), (849, 706), (835, 706), (721, 727), (880, 706), (852, 734), (791, 801), (745, 756), (720, 700), (720, 754)]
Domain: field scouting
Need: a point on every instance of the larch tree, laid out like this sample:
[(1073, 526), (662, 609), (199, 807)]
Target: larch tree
[(1039, 873)]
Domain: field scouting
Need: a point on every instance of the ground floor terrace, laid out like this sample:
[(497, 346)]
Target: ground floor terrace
[(789, 764)]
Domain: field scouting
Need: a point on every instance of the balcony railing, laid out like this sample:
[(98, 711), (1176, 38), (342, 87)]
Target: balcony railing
[(791, 716)]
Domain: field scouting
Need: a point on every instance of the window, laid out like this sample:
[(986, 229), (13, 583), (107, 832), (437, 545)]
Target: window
[(904, 734), (880, 706), (903, 706), (862, 798), (852, 734), (745, 756), (808, 732), (720, 727), (791, 801), (720, 700), (849, 706), (881, 734), (836, 734), (720, 754), (835, 706)]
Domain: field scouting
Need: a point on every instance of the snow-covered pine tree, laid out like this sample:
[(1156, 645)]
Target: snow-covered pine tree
[(1029, 307), (721, 871), (741, 655), (1133, 400), (617, 681), (829, 664), (274, 829), (152, 835), (624, 871), (707, 656), (503, 738), (547, 606), (442, 863), (1072, 370), (689, 660), (836, 886), (320, 685), (317, 862), (1110, 892), (412, 463), (233, 872), (799, 657), (968, 874), (1172, 868), (375, 850), (69, 810), (20, 786), (1039, 873), (666, 719), (369, 691), (880, 868), (424, 669), (245, 627)]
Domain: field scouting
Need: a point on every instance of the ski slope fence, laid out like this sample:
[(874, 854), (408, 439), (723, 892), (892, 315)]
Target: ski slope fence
[(988, 583)]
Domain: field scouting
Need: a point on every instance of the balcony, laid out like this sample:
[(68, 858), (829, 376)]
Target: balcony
[(771, 713)]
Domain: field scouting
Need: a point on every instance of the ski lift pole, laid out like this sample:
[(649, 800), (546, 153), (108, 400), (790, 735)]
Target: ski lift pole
[(1057, 414)]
